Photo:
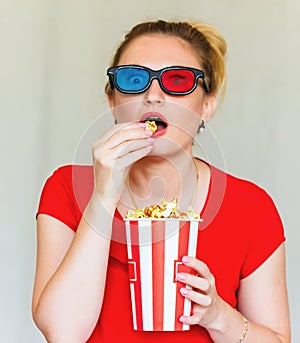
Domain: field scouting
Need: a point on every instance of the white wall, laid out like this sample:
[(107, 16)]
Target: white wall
[(53, 60)]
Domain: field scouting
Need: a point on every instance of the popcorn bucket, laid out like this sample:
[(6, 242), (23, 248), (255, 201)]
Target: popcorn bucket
[(155, 248)]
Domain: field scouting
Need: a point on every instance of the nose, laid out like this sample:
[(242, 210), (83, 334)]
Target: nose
[(154, 94)]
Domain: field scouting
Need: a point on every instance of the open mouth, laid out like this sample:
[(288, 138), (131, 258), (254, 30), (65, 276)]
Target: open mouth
[(160, 122)]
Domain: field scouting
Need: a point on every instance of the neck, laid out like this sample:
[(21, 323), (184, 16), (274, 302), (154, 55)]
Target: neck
[(154, 178)]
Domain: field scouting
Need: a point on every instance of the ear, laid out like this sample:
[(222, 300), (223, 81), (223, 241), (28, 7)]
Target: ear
[(111, 103), (209, 106)]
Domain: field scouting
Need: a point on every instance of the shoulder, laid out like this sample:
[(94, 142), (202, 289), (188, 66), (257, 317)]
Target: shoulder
[(238, 199), (71, 171), (250, 206), (239, 190), (66, 193), (250, 216), (71, 177), (74, 182)]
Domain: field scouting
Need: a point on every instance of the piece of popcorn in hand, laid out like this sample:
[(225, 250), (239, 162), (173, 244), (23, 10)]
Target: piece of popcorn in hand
[(151, 126)]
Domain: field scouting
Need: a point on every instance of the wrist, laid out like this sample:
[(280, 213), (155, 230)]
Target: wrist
[(219, 324), (244, 334), (102, 204), (229, 326), (99, 214)]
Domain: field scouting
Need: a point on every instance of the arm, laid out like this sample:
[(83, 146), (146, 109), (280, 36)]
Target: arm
[(262, 299), (71, 267), (70, 279)]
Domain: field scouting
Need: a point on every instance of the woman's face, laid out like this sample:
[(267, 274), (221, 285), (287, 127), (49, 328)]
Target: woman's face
[(182, 114)]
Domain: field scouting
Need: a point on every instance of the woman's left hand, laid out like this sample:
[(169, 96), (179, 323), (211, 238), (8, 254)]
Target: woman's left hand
[(207, 305)]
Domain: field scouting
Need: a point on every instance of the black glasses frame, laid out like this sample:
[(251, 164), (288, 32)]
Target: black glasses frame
[(156, 74)]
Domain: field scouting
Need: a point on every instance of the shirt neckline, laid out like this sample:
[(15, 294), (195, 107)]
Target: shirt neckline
[(208, 195)]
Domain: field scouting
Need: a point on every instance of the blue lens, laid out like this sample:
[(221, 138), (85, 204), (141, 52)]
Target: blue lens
[(132, 79)]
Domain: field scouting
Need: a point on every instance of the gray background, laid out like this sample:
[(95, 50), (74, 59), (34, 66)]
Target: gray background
[(53, 60)]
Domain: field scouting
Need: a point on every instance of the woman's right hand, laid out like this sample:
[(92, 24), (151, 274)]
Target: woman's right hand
[(113, 155), (65, 262)]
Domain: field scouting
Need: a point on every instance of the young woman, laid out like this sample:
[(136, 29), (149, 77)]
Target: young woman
[(170, 73)]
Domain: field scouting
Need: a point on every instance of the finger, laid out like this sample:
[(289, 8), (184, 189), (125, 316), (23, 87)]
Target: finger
[(124, 126), (200, 267), (108, 158), (117, 127), (126, 136), (194, 281), (126, 161), (129, 147), (122, 132), (191, 320), (195, 317), (199, 298)]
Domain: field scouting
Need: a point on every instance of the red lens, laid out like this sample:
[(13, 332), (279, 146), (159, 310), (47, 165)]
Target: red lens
[(178, 80)]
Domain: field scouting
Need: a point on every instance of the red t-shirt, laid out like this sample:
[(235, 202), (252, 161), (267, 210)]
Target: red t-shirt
[(241, 229)]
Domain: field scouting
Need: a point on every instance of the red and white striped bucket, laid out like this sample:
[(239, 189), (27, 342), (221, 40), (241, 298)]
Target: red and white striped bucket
[(155, 249)]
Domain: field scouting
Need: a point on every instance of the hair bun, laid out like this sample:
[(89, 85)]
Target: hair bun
[(213, 36), (217, 56)]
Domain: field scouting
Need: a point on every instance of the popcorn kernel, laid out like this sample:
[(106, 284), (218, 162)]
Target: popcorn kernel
[(165, 210), (151, 126)]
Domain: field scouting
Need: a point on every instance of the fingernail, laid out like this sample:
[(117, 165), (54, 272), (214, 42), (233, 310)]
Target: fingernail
[(180, 277), (184, 291), (182, 319), (149, 147), (148, 132), (142, 125), (185, 259), (150, 140)]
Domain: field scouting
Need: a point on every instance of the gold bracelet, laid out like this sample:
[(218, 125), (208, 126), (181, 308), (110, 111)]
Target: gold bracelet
[(245, 331)]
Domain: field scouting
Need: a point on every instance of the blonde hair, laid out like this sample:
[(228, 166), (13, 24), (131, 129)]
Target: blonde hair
[(207, 43)]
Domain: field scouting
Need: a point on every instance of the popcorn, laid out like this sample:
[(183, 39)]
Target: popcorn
[(165, 210), (151, 126)]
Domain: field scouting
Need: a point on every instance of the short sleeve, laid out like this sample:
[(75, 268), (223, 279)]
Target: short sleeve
[(57, 198), (265, 230)]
